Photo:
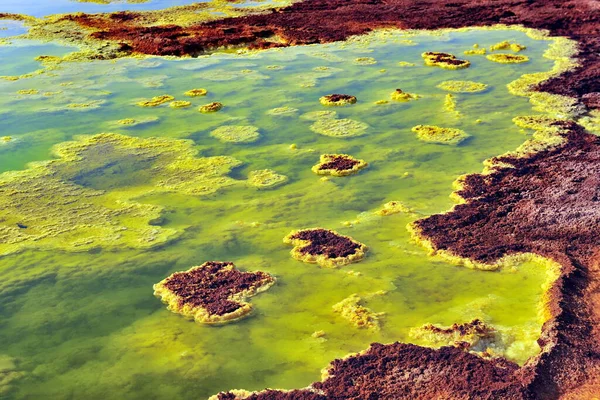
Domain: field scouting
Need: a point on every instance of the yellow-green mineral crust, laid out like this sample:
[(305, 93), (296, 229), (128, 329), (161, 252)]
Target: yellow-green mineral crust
[(180, 104), (393, 207), (156, 101), (324, 247), (462, 86), (358, 315), (436, 134), (212, 293), (196, 92), (504, 58), (266, 179), (236, 133), (339, 128), (86, 198), (400, 95)]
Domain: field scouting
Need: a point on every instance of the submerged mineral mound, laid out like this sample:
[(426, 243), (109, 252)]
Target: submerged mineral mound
[(444, 60), (214, 292), (337, 99), (338, 165), (440, 135), (327, 248)]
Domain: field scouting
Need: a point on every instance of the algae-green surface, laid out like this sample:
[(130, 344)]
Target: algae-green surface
[(86, 325)]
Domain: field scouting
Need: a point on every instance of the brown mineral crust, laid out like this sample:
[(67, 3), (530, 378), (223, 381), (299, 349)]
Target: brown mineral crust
[(405, 371), (212, 285), (339, 97), (339, 163), (325, 242), (475, 326), (548, 204), (320, 21)]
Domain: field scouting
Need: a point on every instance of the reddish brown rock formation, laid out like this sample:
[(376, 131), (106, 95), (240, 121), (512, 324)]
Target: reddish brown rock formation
[(318, 21), (213, 292)]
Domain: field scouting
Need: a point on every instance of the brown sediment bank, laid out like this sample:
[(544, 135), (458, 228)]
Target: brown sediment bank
[(319, 21), (547, 203)]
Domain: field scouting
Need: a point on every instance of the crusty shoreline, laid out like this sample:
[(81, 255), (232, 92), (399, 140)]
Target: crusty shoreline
[(524, 197)]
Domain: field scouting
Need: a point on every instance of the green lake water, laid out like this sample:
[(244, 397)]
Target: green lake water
[(87, 326)]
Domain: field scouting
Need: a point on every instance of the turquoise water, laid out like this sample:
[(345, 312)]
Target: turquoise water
[(86, 325)]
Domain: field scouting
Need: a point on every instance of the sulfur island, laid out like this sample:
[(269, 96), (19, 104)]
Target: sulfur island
[(299, 199)]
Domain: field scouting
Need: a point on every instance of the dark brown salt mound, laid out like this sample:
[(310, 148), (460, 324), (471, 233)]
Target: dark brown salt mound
[(324, 247), (338, 165), (213, 292)]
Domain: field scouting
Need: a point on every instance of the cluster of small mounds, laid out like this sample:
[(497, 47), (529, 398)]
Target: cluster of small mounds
[(462, 86), (236, 133), (444, 60), (476, 50), (358, 315), (338, 165), (473, 336), (436, 134), (266, 179), (212, 293), (166, 98), (400, 95), (503, 58), (324, 247), (450, 104), (337, 99)]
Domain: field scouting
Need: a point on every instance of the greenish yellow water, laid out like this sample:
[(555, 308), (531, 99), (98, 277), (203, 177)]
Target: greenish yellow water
[(86, 325)]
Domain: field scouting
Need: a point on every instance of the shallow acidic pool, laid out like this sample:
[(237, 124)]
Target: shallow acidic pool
[(86, 325)]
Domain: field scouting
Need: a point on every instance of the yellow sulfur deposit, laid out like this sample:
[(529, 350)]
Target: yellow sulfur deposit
[(365, 61), (266, 179), (450, 104), (38, 208), (462, 86), (400, 95), (506, 45), (236, 133), (339, 128), (536, 122), (393, 207), (473, 52), (156, 101), (210, 107), (180, 104), (358, 315), (504, 58), (28, 91), (436, 134), (474, 335), (405, 64), (444, 60), (196, 92)]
